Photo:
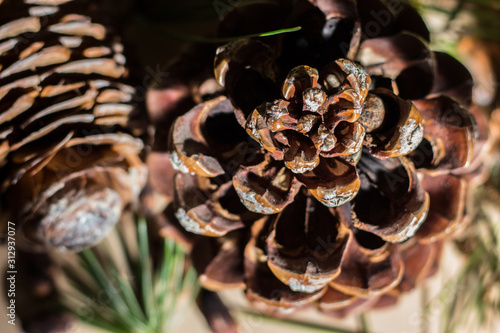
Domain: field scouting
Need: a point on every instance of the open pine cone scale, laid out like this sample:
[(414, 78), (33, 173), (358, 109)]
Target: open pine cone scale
[(337, 171)]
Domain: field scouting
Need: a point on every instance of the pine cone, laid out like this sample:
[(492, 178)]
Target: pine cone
[(333, 166), (69, 163)]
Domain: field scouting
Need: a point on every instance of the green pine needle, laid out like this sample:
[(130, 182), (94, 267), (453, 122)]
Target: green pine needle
[(199, 39), (244, 314), (134, 299)]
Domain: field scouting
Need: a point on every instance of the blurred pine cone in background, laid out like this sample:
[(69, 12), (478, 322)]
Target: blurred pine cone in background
[(328, 166), (69, 159)]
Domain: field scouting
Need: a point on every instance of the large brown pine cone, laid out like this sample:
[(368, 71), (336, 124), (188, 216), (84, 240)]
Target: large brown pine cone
[(69, 161), (332, 166)]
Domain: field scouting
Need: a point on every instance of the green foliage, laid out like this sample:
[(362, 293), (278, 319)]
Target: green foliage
[(117, 287)]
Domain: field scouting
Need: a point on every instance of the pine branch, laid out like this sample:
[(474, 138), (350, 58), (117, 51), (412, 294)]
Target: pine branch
[(137, 298)]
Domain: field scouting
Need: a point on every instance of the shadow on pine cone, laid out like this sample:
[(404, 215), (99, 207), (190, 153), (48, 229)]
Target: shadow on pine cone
[(68, 156), (329, 164)]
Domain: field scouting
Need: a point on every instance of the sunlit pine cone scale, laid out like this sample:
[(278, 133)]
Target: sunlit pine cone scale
[(69, 159), (332, 166)]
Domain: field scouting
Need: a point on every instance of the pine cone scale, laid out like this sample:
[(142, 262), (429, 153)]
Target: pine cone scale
[(315, 258)]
